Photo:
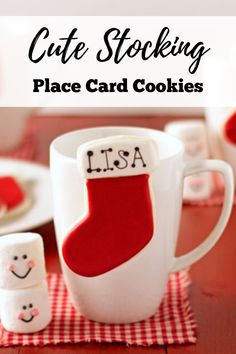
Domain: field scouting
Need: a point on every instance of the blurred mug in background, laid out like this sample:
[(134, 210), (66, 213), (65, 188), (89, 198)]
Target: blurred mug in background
[(221, 123), (12, 126)]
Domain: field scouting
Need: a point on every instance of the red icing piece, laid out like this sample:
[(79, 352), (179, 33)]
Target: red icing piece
[(119, 224), (2, 203), (11, 193), (230, 128)]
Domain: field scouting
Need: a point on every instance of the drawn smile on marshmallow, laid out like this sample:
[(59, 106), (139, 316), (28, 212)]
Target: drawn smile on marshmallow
[(33, 314), (29, 320), (11, 267)]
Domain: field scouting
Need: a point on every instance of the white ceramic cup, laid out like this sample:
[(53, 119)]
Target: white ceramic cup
[(132, 291), (220, 145), (12, 126), (228, 146)]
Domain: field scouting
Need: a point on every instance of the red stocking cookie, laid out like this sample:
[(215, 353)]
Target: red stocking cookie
[(119, 220)]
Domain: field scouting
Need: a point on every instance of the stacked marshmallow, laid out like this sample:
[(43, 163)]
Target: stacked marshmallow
[(24, 301), (194, 136)]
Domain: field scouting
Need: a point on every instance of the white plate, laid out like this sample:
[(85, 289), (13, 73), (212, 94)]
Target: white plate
[(38, 178)]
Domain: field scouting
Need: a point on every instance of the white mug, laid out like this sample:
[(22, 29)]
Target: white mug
[(12, 126), (133, 290), (228, 142), (222, 146)]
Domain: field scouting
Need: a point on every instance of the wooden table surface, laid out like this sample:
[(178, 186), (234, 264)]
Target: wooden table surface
[(213, 289)]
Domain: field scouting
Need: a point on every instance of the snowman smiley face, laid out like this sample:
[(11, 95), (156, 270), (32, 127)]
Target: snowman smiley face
[(28, 313), (27, 264)]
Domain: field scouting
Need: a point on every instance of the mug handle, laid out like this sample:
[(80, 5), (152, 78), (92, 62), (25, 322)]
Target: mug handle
[(193, 167)]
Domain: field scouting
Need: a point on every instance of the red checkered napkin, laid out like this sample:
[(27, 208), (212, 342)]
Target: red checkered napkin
[(173, 322)]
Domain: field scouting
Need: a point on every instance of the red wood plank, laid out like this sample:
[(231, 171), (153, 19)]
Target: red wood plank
[(213, 289), (94, 348), (12, 350)]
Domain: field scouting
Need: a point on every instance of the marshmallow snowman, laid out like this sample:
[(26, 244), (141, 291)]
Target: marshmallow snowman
[(21, 260), (193, 134), (25, 310), (24, 301)]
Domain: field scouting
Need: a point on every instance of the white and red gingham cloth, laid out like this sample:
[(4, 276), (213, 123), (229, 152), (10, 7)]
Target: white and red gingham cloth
[(173, 322)]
